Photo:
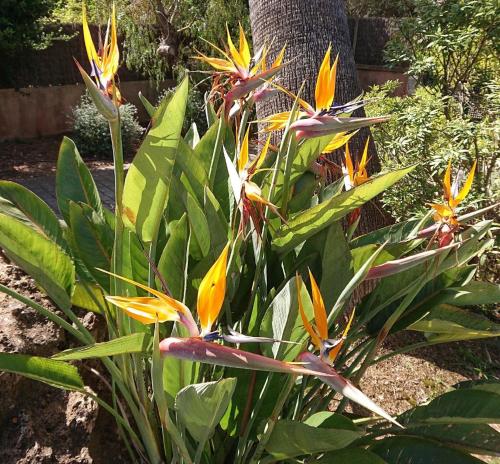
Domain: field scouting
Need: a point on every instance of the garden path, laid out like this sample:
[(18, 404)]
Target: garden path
[(45, 186)]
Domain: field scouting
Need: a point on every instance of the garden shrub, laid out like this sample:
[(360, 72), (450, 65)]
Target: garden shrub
[(91, 129), (419, 132)]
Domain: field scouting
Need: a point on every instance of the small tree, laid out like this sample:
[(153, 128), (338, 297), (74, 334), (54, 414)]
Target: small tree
[(20, 28)]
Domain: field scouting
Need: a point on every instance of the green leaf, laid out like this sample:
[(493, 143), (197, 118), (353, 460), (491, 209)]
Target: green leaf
[(201, 406), (192, 136), (40, 257), (463, 406), (177, 373), (55, 373), (172, 264), (410, 450), (134, 343), (147, 184), (350, 456), (393, 234), (291, 438), (283, 322), (472, 294), (195, 177), (33, 210), (472, 438), (304, 225), (135, 263), (92, 239), (148, 106), (199, 228), (448, 323), (83, 300), (74, 181)]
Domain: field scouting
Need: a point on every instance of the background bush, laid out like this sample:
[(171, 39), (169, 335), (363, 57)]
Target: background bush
[(419, 132), (91, 130)]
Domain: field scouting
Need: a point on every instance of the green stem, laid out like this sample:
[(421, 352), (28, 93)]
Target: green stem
[(116, 139)]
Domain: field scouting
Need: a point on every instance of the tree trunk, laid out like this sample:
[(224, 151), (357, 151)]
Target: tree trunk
[(308, 27)]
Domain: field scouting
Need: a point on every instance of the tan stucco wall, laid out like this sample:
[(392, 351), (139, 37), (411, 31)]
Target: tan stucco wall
[(369, 75), (39, 111)]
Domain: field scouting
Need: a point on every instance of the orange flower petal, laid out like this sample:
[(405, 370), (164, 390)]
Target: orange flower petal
[(145, 309), (87, 38), (338, 141), (314, 336), (447, 182), (332, 355), (212, 292), (322, 92), (243, 157), (467, 186), (244, 49), (319, 309)]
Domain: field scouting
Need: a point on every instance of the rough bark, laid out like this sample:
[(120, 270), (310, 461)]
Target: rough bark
[(308, 27)]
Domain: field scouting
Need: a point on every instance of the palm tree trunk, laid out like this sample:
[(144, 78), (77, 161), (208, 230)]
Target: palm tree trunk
[(308, 27)]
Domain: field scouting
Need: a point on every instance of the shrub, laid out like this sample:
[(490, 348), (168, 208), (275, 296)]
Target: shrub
[(420, 133), (91, 130)]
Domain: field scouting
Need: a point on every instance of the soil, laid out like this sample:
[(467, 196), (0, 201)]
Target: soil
[(39, 423), (36, 157)]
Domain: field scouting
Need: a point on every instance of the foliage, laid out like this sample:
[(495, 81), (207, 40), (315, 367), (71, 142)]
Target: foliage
[(91, 131), (242, 235), (195, 108), (161, 35), (419, 132), (21, 28), (450, 46)]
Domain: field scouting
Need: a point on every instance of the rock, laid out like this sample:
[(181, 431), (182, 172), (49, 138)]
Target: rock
[(81, 412), (38, 455)]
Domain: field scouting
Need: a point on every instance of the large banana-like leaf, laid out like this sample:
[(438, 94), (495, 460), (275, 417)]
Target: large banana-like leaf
[(40, 257), (92, 240), (446, 323), (25, 206), (324, 431), (134, 343), (302, 226), (412, 450), (200, 406), (74, 181), (147, 184), (56, 373), (173, 260)]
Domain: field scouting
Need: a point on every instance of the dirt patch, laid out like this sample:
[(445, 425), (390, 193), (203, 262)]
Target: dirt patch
[(406, 380), (37, 157), (39, 423)]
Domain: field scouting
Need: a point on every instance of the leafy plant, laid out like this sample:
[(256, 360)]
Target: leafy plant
[(239, 381), (419, 132), (91, 130)]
